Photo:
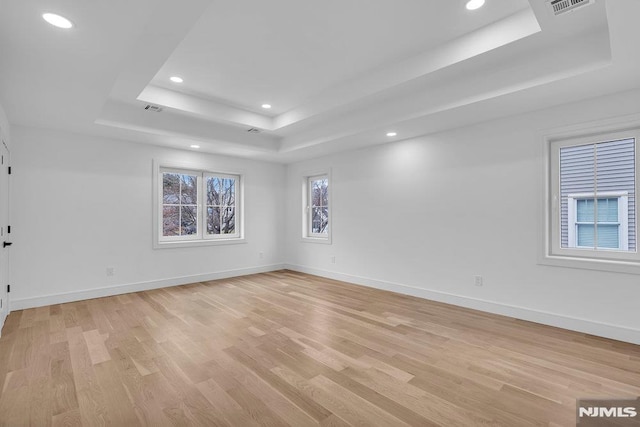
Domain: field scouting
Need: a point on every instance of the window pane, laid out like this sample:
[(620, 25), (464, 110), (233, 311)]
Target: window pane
[(213, 220), (585, 210), (608, 210), (189, 189), (608, 236), (228, 194), (319, 220), (616, 172), (585, 235), (577, 175), (316, 220), (228, 222), (170, 221), (325, 220), (213, 191), (316, 193), (170, 188), (325, 192), (189, 220)]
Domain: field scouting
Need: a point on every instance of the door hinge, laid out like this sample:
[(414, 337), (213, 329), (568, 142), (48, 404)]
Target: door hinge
[(8, 288), (9, 169)]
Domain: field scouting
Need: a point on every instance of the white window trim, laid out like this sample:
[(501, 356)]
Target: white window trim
[(307, 235), (201, 238), (623, 217), (596, 131)]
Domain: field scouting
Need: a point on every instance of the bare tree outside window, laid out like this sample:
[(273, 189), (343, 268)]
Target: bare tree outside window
[(221, 205), (319, 206), (179, 204), (197, 207)]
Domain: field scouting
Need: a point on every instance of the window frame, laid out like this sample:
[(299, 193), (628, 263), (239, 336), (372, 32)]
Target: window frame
[(602, 259), (307, 234), (201, 238)]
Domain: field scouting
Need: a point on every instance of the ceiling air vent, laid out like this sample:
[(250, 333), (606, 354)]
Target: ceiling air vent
[(563, 6), (154, 108), (253, 130)]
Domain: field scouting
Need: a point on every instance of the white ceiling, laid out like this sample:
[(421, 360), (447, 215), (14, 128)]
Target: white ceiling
[(339, 73), (248, 52)]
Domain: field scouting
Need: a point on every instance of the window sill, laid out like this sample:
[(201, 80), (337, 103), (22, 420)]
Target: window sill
[(321, 240), (626, 267), (198, 243)]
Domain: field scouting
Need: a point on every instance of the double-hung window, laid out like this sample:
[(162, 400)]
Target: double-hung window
[(316, 208), (598, 223), (592, 199), (197, 207)]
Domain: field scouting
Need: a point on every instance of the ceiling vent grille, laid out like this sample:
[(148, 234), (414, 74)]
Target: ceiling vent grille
[(154, 108), (253, 130), (563, 6)]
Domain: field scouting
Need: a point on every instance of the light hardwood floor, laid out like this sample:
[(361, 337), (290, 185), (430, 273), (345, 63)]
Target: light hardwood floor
[(285, 348)]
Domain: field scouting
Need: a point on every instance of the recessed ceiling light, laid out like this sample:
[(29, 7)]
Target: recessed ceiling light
[(474, 4), (266, 106), (57, 20), (391, 134), (194, 146), (176, 79)]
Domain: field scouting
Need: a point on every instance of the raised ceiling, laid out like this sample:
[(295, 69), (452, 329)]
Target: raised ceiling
[(247, 52), (339, 74)]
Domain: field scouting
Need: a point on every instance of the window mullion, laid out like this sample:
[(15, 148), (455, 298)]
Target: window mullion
[(310, 205), (595, 196), (200, 210), (180, 205)]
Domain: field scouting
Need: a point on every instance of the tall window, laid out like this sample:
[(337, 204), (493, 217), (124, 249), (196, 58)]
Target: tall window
[(197, 206), (316, 222), (319, 207), (221, 205), (179, 204), (593, 197)]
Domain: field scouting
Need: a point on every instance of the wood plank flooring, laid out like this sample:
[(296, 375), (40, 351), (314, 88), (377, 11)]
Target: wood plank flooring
[(285, 348)]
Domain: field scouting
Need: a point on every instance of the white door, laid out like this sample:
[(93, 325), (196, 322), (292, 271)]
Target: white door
[(5, 237)]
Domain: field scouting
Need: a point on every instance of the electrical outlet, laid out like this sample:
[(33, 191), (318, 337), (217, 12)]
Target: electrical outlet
[(110, 271), (333, 260), (478, 281), (261, 255)]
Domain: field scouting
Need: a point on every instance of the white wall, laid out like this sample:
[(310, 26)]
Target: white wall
[(81, 204), (5, 129), (4, 125), (424, 216)]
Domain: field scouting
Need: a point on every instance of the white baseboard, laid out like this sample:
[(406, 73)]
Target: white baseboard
[(20, 304), (605, 330)]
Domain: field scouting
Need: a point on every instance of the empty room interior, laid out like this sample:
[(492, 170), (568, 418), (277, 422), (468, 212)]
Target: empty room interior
[(338, 213)]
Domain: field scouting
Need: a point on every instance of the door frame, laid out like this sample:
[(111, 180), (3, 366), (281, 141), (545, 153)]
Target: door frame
[(5, 152)]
